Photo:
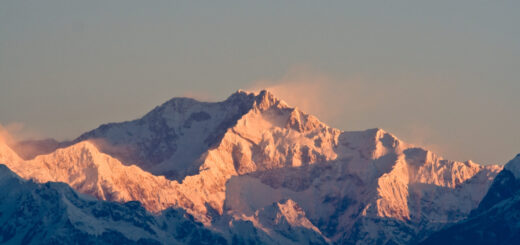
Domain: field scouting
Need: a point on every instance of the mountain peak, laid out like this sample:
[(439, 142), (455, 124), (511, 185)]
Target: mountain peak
[(87, 145), (266, 100), (257, 155), (8, 155), (84, 147), (261, 100), (514, 166)]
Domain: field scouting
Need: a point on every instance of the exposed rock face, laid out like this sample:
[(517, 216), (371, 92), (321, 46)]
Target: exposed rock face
[(228, 162)]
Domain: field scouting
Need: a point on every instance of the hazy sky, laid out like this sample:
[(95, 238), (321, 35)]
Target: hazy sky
[(442, 74)]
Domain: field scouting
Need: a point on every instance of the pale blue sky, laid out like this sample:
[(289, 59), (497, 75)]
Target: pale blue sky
[(443, 74)]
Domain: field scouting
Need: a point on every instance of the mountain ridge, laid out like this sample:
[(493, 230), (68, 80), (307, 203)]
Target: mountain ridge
[(495, 220), (354, 187)]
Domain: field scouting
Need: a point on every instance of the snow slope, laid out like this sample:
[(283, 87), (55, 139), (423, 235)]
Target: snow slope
[(228, 162), (53, 213), (91, 172), (497, 218), (170, 139)]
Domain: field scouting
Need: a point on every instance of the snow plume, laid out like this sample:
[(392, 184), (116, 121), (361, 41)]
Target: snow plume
[(355, 103), (16, 131), (7, 155), (27, 143), (5, 136), (422, 135), (11, 133), (312, 92)]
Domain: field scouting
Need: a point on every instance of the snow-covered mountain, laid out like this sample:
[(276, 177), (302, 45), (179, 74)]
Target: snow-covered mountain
[(89, 171), (53, 213), (497, 218), (254, 161), (171, 138)]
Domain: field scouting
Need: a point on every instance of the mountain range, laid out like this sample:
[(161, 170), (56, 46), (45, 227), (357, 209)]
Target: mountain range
[(249, 169), (497, 218)]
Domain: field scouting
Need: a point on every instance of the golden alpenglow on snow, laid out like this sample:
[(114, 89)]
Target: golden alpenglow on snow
[(259, 122)]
